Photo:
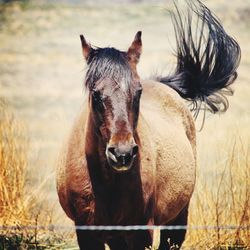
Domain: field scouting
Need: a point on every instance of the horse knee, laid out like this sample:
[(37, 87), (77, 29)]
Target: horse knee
[(89, 241), (173, 239), (117, 244), (142, 239)]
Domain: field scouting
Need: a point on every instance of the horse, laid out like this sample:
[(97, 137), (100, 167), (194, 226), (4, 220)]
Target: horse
[(131, 156)]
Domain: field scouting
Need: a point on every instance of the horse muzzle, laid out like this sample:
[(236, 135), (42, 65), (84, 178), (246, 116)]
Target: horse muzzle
[(121, 158)]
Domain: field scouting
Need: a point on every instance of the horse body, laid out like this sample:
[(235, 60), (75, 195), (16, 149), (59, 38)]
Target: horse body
[(165, 179), (131, 156)]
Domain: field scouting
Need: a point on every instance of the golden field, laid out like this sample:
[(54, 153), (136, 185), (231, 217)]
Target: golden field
[(41, 88)]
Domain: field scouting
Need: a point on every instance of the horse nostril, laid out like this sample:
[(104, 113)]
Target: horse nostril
[(135, 150), (112, 150), (112, 154)]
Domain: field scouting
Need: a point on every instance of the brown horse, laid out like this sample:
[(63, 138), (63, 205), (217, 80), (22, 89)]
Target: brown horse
[(131, 157)]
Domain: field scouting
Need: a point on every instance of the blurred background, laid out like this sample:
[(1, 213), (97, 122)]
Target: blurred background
[(41, 91)]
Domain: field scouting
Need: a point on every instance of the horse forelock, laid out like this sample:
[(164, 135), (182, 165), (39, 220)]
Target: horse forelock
[(108, 63)]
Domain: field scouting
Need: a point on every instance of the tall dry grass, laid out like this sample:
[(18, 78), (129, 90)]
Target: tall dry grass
[(13, 162), (22, 210), (221, 201)]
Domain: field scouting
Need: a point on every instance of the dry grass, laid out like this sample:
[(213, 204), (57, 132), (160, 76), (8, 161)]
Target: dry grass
[(19, 208), (13, 162), (223, 200)]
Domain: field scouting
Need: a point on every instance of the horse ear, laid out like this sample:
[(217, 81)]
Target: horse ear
[(86, 48), (135, 49)]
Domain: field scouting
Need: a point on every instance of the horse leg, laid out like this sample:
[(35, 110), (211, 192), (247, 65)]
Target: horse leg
[(87, 240), (117, 243), (171, 238), (141, 240)]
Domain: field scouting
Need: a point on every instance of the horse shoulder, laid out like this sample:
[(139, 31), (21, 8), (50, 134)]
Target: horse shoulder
[(73, 182)]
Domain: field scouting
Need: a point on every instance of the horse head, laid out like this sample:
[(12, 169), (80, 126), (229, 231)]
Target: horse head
[(114, 99)]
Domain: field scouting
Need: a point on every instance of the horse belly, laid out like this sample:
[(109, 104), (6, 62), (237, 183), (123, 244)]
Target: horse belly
[(175, 173)]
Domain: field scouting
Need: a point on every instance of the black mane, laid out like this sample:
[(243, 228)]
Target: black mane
[(107, 63)]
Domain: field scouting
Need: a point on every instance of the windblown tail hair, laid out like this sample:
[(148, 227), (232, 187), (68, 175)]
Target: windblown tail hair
[(207, 60)]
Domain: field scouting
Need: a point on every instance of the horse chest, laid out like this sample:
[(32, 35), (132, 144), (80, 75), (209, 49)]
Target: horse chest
[(120, 209)]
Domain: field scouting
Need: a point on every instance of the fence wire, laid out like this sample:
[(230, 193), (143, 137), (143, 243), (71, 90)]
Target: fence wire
[(126, 228)]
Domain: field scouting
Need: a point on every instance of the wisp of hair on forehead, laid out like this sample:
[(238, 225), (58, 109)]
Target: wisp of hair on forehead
[(108, 63)]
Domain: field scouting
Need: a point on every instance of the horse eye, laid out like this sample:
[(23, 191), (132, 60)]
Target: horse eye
[(138, 92), (96, 95), (97, 100), (137, 97)]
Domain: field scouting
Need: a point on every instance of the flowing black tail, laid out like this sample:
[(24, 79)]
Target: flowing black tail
[(207, 60)]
